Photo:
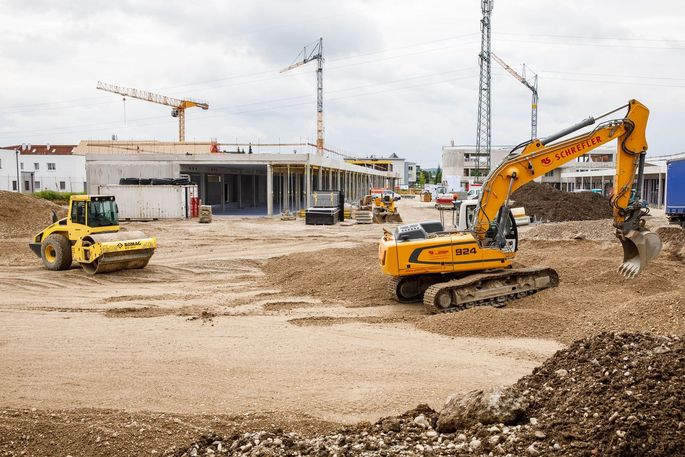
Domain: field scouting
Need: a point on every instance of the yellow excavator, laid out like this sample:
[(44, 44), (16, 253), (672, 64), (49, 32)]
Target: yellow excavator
[(455, 270), (91, 236)]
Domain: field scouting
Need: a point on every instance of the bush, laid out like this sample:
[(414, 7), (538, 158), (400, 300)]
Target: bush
[(54, 196)]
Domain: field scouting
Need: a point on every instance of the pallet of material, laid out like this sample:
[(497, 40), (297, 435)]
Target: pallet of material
[(322, 216)]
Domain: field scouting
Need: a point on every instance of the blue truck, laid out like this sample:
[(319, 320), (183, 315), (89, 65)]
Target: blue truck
[(675, 191)]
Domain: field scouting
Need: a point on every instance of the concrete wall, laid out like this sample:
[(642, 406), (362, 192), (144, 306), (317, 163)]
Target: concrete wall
[(101, 173)]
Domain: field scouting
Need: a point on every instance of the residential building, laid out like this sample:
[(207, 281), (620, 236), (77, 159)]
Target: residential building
[(392, 163), (42, 167)]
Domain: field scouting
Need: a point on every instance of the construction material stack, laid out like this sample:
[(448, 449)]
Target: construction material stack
[(205, 214)]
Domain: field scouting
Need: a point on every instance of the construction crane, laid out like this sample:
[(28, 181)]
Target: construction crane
[(533, 88), (178, 105), (315, 52), (483, 129)]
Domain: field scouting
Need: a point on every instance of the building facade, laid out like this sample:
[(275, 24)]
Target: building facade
[(392, 164), (33, 168), (263, 183)]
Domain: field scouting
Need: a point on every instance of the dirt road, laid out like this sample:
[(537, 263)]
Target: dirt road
[(201, 331)]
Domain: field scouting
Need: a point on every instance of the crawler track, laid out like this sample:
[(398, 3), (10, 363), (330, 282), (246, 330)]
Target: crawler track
[(488, 289)]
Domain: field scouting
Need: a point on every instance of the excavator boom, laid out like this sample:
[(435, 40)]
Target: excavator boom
[(540, 156)]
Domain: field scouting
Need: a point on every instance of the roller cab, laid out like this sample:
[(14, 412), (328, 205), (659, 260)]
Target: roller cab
[(91, 236)]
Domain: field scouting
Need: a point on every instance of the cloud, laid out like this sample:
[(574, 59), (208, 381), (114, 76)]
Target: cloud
[(399, 76)]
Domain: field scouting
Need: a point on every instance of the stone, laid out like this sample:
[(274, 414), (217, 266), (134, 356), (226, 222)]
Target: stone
[(474, 444), (461, 437), (539, 434), (431, 433), (421, 421), (532, 450), (484, 406), (562, 373), (533, 421)]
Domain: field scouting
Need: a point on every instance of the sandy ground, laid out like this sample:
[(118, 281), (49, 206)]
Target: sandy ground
[(197, 332)]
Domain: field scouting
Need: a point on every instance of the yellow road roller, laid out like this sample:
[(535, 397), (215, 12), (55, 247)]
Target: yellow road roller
[(91, 236)]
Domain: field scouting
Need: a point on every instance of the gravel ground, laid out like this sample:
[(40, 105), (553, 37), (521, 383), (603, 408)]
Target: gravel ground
[(612, 394)]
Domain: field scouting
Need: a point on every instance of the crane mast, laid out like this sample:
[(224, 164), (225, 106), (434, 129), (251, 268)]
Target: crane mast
[(178, 105), (314, 52), (533, 88), (483, 130)]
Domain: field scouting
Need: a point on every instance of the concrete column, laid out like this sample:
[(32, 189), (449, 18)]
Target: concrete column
[(223, 192), (269, 190), (320, 178), (308, 185), (240, 190)]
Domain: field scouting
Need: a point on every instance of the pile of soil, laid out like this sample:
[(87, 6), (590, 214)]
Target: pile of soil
[(612, 394), (347, 275), (591, 297), (673, 242), (545, 203), (25, 215), (599, 230)]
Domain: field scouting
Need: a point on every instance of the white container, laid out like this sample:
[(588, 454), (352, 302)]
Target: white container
[(145, 202)]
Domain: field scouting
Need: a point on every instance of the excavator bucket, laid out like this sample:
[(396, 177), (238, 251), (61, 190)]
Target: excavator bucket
[(380, 217), (639, 248), (393, 217), (119, 251)]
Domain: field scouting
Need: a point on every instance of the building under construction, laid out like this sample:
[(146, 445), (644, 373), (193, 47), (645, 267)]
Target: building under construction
[(262, 183)]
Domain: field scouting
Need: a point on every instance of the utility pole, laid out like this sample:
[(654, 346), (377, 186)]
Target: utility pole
[(483, 130), (16, 151), (533, 88), (315, 52)]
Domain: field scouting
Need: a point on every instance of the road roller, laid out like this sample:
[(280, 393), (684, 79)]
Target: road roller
[(90, 235)]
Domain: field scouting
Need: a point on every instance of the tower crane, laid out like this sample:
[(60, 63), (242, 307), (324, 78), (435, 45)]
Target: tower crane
[(315, 52), (533, 88), (178, 105)]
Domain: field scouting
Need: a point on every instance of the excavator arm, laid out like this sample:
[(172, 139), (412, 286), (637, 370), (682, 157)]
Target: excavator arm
[(539, 156)]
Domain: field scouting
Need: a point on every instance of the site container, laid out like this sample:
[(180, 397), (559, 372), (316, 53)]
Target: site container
[(675, 191), (145, 202)]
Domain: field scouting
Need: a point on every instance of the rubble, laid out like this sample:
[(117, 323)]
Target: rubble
[(622, 396)]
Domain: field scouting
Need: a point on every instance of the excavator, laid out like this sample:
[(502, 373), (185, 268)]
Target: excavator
[(91, 236), (455, 270)]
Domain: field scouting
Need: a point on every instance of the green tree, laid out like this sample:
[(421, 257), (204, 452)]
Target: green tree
[(438, 176), (421, 181)]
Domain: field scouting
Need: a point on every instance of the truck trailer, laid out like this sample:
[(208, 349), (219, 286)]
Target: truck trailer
[(675, 191)]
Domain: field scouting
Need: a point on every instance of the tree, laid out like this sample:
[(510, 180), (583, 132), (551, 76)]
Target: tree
[(421, 180), (438, 176)]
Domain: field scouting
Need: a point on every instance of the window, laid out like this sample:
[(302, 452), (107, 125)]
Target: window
[(102, 213), (78, 213), (36, 166), (27, 185), (51, 166), (14, 185), (22, 165), (62, 185), (36, 185)]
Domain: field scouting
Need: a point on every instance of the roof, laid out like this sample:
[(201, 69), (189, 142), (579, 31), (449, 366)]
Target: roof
[(44, 149)]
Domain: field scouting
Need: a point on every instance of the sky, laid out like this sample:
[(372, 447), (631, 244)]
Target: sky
[(399, 76)]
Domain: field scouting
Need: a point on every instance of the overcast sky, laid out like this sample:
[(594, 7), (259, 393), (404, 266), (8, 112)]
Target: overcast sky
[(399, 76)]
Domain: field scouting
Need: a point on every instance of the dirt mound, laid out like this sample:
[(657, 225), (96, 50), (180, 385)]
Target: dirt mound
[(350, 275), (673, 240), (599, 230), (546, 203), (612, 394), (24, 215), (592, 297)]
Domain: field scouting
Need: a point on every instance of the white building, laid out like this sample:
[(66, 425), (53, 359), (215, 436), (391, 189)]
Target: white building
[(42, 167), (410, 173), (460, 166), (392, 163)]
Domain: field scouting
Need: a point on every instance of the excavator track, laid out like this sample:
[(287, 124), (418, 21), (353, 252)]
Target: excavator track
[(488, 289)]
